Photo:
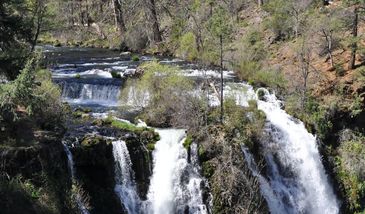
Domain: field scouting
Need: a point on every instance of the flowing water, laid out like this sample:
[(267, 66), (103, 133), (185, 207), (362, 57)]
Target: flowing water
[(295, 179), (70, 163), (125, 186), (295, 171), (84, 76), (175, 186)]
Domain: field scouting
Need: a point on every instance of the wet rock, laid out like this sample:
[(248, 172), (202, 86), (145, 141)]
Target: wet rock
[(94, 164)]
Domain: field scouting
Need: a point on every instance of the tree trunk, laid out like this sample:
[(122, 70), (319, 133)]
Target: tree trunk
[(119, 21), (39, 13), (153, 17), (354, 43), (260, 2), (328, 37), (221, 70)]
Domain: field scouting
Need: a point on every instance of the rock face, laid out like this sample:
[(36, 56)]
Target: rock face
[(141, 163), (94, 164), (35, 180), (232, 185), (138, 144)]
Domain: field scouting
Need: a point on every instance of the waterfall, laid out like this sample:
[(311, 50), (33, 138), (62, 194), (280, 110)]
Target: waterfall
[(75, 92), (295, 172), (70, 163), (125, 186), (275, 204), (175, 185)]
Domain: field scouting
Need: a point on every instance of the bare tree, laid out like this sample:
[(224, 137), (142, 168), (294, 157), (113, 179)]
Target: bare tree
[(304, 57), (152, 16), (260, 2), (118, 13), (354, 35), (328, 35)]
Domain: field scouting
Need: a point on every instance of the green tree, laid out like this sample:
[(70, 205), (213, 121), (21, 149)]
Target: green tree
[(21, 23), (357, 6), (220, 27)]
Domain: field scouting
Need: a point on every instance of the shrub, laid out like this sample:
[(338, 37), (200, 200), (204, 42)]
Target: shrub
[(242, 124), (169, 95), (317, 117), (340, 71), (280, 21), (77, 76), (253, 73), (187, 47), (135, 58), (116, 75), (151, 146), (33, 91), (188, 141), (351, 170)]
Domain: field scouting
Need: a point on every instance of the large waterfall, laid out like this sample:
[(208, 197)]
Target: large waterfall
[(174, 187), (70, 163), (125, 185), (296, 180)]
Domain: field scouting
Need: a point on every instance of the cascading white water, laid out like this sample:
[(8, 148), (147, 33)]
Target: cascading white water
[(70, 163), (275, 204), (125, 186), (295, 172), (90, 93), (193, 185), (174, 188)]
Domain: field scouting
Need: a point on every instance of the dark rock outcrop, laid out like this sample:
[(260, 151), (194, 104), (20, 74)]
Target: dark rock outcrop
[(94, 164), (35, 179)]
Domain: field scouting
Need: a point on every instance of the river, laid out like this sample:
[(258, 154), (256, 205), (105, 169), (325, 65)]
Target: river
[(295, 181)]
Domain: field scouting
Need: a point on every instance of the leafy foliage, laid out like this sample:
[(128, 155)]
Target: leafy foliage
[(32, 94), (167, 92), (350, 170), (187, 48)]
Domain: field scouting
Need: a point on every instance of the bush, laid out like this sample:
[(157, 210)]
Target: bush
[(317, 117), (280, 21), (34, 92), (242, 124), (116, 75), (135, 58), (169, 95), (351, 170), (253, 73), (187, 47), (188, 141)]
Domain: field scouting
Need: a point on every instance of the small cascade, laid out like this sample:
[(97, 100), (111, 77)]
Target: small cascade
[(125, 186), (194, 184), (70, 163), (175, 183), (275, 205), (295, 172), (75, 92)]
